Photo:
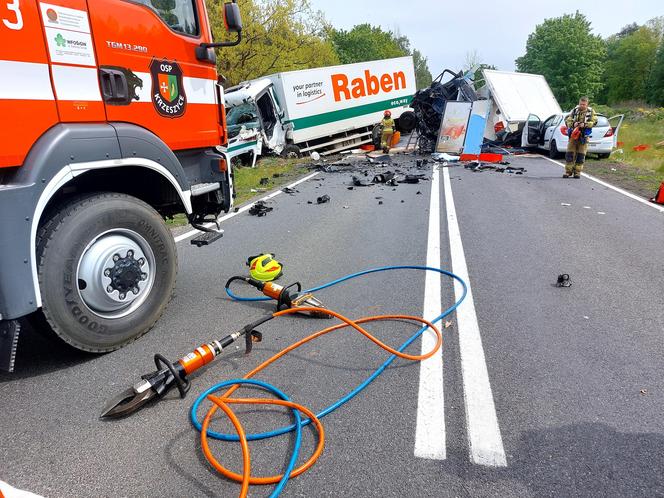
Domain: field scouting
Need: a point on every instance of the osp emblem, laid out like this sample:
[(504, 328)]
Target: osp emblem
[(168, 94)]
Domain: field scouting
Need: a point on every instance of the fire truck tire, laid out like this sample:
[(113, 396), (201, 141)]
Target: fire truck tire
[(107, 266)]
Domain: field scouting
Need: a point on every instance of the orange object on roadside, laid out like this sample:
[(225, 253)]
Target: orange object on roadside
[(640, 148), (659, 196), (620, 144), (396, 138), (367, 147)]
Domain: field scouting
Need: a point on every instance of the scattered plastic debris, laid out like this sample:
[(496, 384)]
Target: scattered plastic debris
[(444, 156), (290, 191), (323, 199), (260, 209), (564, 204)]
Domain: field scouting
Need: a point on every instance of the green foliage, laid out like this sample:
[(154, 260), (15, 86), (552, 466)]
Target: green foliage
[(564, 50), (478, 78), (278, 35), (655, 87), (367, 43), (422, 73), (630, 64)]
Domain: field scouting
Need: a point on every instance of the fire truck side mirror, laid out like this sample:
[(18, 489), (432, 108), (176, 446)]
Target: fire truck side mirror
[(232, 17)]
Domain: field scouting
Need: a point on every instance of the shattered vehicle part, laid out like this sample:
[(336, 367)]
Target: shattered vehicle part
[(429, 104), (260, 209)]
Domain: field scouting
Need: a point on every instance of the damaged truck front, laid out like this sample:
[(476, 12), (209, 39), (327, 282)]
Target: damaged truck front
[(325, 109)]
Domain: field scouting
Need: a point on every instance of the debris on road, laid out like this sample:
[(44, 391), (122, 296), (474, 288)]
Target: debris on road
[(565, 204), (264, 181), (260, 209), (290, 191), (564, 280), (323, 199), (444, 156)]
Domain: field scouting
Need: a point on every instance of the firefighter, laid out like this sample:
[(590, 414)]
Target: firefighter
[(579, 123), (388, 131)]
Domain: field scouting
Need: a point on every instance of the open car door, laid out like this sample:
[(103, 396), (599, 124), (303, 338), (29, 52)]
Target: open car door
[(619, 120), (532, 131)]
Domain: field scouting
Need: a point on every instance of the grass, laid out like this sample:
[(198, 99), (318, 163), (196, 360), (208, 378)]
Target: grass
[(641, 172), (278, 172)]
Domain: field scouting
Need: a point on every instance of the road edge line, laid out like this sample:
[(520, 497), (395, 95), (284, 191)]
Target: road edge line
[(612, 187), (430, 436), (484, 438), (191, 233)]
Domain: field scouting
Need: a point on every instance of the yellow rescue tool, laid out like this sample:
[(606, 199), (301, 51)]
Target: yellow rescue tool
[(264, 267)]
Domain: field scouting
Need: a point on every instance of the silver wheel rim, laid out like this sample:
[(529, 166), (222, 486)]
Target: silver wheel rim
[(115, 273)]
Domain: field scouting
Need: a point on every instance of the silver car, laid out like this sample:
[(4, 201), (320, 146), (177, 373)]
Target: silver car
[(551, 135)]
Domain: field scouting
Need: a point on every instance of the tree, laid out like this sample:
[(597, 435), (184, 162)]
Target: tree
[(655, 87), (628, 70), (570, 57), (278, 35), (367, 43), (422, 73)]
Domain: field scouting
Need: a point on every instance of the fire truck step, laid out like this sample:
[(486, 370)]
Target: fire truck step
[(9, 330), (207, 238)]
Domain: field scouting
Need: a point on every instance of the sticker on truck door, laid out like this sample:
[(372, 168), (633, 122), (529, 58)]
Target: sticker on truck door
[(168, 94)]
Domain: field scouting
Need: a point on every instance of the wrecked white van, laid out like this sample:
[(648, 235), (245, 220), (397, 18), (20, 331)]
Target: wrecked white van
[(326, 109)]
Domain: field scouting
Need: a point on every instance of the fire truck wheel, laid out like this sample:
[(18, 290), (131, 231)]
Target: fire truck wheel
[(291, 152), (107, 265)]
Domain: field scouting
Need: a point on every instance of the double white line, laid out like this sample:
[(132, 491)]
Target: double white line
[(485, 441)]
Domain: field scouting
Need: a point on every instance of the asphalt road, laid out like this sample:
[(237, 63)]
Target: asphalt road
[(574, 376)]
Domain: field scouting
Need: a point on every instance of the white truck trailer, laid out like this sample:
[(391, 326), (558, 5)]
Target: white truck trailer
[(325, 109), (514, 97)]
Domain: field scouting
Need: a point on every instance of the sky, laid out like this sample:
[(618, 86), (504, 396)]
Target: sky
[(446, 31)]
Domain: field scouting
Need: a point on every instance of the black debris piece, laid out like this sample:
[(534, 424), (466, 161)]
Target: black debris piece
[(413, 178), (260, 209), (309, 202), (236, 209), (290, 191), (380, 159), (378, 198), (564, 280), (418, 193), (383, 177), (392, 183), (380, 202), (264, 181), (323, 199), (276, 175), (402, 201), (350, 188), (359, 183), (429, 104)]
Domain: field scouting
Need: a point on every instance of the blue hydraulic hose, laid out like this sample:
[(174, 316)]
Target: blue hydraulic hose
[(359, 388), (300, 423)]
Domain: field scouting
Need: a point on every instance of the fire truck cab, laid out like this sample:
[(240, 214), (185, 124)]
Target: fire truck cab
[(112, 119)]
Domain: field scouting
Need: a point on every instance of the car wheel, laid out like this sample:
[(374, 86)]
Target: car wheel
[(107, 265), (553, 150)]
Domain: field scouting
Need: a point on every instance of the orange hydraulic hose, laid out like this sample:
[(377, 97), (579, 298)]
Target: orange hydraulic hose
[(222, 401)]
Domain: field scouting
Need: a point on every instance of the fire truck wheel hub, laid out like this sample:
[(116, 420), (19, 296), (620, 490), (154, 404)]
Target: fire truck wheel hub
[(116, 273)]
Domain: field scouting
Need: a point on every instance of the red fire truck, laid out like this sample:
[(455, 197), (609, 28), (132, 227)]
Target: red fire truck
[(111, 118)]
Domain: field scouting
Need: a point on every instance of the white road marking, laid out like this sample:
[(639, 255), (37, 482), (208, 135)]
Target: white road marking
[(486, 444), (430, 439), (191, 233), (613, 187)]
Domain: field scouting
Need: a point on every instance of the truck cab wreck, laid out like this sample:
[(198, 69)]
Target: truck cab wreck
[(110, 126), (326, 109)]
